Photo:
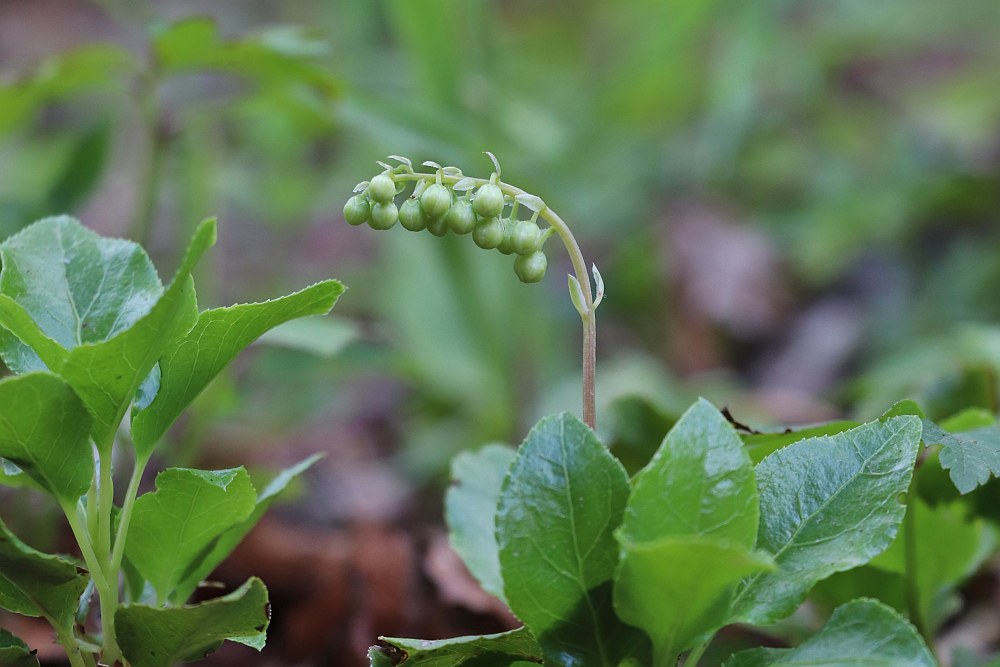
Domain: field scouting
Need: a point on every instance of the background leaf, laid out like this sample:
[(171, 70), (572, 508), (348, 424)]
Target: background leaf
[(173, 525), (45, 431), (33, 583), (949, 548), (862, 632), (190, 362), (561, 501), (505, 649), (158, 637), (471, 508), (970, 457), (827, 504)]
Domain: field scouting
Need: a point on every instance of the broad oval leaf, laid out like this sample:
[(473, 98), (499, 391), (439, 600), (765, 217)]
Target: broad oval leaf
[(700, 482), (45, 431), (210, 558), (504, 649), (471, 507), (559, 506), (107, 374), (76, 285), (859, 634), (162, 637), (678, 589), (190, 362), (33, 583), (172, 526), (827, 504)]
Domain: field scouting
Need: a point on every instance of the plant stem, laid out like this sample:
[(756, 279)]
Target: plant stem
[(126, 514), (910, 559), (108, 590), (695, 655), (588, 317), (106, 594), (73, 652)]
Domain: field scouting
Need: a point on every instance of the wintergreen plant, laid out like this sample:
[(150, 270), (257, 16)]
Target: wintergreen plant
[(722, 525), (105, 359), (488, 209)]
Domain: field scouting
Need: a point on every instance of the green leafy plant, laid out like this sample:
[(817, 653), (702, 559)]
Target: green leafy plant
[(722, 524), (105, 359)]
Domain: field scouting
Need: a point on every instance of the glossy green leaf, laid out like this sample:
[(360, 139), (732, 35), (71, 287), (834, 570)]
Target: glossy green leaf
[(827, 504), (75, 285), (162, 637), (45, 431), (470, 510), (172, 526), (700, 482), (191, 361), (862, 633), (14, 652), (108, 374), (562, 499), (678, 589), (970, 457), (33, 583), (505, 649), (948, 548), (221, 547)]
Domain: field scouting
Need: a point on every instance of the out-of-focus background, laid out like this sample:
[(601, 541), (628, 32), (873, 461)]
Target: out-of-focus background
[(795, 206)]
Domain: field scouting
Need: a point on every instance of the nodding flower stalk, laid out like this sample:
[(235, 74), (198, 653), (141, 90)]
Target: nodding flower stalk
[(447, 201)]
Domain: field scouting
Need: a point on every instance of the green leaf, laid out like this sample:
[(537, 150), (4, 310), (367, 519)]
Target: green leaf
[(195, 44), (227, 541), (92, 310), (948, 549), (190, 362), (827, 504), (33, 583), (324, 337), (862, 633), (161, 637), (471, 507), (504, 649), (562, 499), (970, 457), (77, 286), (700, 482), (172, 526), (108, 374), (90, 67), (760, 445), (678, 589), (14, 652), (45, 431)]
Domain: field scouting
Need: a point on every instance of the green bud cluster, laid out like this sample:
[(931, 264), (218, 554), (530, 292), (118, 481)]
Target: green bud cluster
[(445, 202)]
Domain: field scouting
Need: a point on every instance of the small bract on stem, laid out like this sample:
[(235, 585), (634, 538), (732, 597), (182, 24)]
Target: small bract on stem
[(446, 200)]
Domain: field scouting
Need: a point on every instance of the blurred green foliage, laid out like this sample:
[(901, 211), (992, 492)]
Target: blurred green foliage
[(859, 139)]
